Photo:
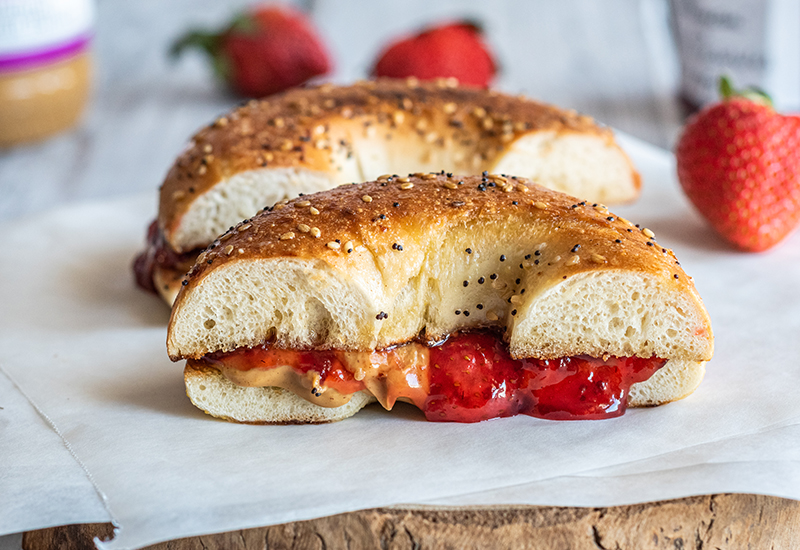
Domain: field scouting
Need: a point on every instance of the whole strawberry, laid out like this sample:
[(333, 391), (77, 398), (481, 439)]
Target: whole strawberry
[(739, 163), (455, 50), (265, 51)]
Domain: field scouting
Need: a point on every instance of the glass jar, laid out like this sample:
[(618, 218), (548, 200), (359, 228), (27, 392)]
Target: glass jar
[(45, 66)]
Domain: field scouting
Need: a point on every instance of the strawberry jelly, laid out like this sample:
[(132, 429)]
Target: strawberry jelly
[(472, 377)]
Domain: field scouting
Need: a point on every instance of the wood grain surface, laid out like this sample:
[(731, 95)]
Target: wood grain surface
[(724, 522)]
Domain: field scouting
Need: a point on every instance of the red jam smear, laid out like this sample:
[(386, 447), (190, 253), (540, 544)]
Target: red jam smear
[(157, 253), (472, 377), (330, 368)]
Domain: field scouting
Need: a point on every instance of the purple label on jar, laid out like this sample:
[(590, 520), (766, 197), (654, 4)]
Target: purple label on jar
[(26, 60)]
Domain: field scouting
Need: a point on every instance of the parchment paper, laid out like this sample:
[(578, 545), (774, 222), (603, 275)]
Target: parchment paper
[(88, 349)]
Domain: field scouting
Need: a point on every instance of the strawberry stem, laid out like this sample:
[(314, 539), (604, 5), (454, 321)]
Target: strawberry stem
[(752, 93), (208, 42)]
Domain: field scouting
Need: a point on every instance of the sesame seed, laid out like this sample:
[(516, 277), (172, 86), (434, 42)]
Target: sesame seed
[(398, 117), (648, 233), (515, 299), (384, 177), (207, 148), (508, 188), (575, 259), (598, 259), (366, 198), (287, 145), (245, 227), (402, 180), (429, 176), (202, 170), (222, 122), (348, 246), (288, 235), (229, 249), (313, 211), (450, 185), (523, 188), (315, 232), (303, 228), (449, 108), (333, 245), (492, 316), (406, 185), (540, 205)]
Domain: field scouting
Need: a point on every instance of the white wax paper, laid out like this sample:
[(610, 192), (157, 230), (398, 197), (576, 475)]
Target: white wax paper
[(88, 349)]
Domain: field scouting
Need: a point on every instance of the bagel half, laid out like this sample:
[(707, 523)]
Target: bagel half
[(366, 269), (309, 140)]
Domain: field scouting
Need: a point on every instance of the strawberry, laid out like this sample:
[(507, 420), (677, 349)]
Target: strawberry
[(265, 51), (739, 163), (454, 50)]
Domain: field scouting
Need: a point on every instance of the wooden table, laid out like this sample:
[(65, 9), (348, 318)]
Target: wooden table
[(612, 60), (725, 522)]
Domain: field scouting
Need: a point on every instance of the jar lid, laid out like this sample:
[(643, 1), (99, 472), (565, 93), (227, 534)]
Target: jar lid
[(38, 32)]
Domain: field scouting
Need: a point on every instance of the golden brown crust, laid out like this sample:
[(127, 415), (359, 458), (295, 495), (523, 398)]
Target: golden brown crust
[(301, 128), (387, 219)]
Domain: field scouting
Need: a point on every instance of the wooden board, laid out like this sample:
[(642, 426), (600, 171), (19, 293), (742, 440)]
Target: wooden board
[(724, 522)]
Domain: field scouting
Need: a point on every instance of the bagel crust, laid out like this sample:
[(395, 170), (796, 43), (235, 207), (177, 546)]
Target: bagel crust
[(369, 267), (308, 140)]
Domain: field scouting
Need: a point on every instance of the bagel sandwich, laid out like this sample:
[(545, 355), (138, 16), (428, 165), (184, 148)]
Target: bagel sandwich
[(308, 140), (471, 297)]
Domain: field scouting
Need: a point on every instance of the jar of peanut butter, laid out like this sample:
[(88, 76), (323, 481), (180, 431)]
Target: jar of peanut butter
[(44, 66)]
